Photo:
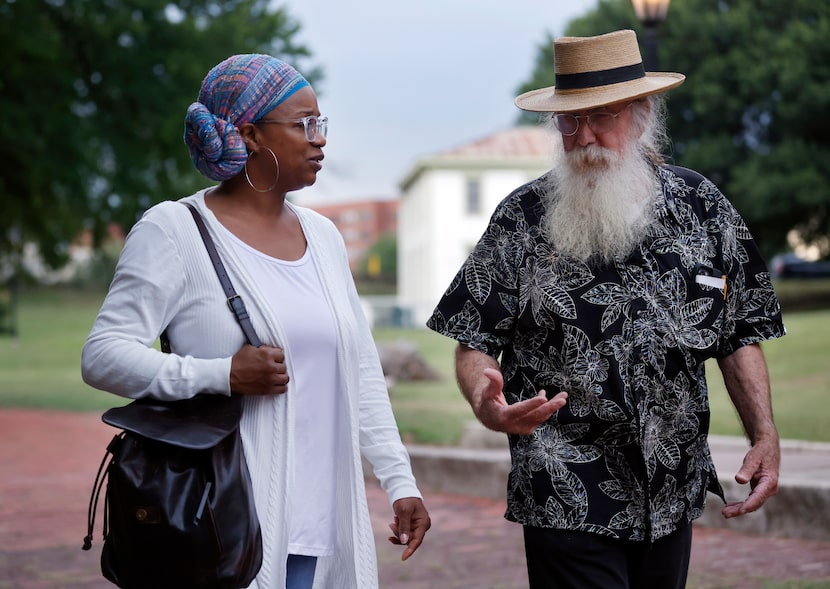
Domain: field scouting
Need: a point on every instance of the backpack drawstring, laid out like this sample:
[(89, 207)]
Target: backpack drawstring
[(96, 493)]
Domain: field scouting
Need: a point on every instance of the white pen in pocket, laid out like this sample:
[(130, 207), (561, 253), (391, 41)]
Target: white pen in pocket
[(708, 276), (718, 282)]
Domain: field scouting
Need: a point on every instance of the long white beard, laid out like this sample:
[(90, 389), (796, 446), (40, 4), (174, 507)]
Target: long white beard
[(598, 205)]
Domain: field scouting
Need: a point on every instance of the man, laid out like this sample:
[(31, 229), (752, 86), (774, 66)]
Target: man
[(609, 281)]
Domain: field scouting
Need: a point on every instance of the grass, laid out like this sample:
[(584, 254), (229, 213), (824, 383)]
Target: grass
[(799, 376), (429, 411), (41, 369)]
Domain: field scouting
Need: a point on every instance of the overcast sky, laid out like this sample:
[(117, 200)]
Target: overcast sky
[(405, 80)]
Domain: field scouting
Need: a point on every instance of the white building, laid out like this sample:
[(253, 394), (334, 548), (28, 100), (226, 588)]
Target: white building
[(446, 202)]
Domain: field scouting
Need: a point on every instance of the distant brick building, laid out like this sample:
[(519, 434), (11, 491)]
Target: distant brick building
[(361, 223)]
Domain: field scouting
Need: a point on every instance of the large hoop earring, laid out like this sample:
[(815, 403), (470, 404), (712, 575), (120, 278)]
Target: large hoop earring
[(276, 177)]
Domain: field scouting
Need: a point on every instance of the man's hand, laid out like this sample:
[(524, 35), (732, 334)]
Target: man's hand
[(491, 408), (410, 525), (481, 381), (747, 382), (760, 470)]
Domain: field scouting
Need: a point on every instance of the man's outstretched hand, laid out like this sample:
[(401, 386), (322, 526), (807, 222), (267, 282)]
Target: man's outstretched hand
[(493, 411)]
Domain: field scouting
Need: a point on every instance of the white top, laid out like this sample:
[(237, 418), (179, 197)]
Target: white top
[(296, 295), (164, 278)]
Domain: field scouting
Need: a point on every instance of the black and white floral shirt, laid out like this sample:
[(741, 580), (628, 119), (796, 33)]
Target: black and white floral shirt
[(627, 457)]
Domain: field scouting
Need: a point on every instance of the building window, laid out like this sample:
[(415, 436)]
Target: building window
[(350, 216), (473, 196)]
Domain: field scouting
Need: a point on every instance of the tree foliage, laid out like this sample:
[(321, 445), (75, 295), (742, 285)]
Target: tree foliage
[(385, 251), (93, 95), (377, 271), (754, 113)]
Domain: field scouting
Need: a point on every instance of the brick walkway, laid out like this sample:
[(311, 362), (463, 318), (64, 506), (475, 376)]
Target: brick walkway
[(48, 461)]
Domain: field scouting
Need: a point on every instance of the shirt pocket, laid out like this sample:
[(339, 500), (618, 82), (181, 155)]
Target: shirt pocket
[(706, 294)]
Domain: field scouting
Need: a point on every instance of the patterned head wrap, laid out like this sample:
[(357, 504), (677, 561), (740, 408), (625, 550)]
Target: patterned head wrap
[(239, 90)]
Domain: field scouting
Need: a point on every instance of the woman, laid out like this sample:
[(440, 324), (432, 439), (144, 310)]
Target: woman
[(315, 396)]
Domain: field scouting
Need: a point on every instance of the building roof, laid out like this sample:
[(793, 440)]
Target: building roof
[(524, 146), (523, 141)]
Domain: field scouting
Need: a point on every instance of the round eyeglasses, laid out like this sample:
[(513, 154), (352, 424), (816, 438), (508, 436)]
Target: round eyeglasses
[(598, 122), (315, 126)]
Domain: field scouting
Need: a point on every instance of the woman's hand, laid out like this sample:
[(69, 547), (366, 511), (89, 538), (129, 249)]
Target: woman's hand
[(259, 371), (410, 525)]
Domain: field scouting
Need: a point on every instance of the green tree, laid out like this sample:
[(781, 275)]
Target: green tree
[(377, 272), (93, 96), (754, 113), (385, 253)]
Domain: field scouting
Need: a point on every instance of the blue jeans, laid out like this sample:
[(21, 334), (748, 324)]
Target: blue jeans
[(299, 571)]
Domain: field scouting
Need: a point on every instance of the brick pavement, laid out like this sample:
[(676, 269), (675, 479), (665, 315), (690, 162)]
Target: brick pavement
[(48, 461)]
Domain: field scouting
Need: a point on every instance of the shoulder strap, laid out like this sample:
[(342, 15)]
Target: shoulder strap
[(235, 302)]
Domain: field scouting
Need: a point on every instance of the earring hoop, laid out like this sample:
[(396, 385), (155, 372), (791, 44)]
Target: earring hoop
[(276, 177)]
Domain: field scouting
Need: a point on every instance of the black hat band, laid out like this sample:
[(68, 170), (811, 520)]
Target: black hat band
[(616, 75)]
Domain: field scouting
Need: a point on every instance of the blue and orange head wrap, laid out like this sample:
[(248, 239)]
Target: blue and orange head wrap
[(239, 90)]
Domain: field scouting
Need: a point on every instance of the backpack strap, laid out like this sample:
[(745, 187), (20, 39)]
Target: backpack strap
[(235, 302)]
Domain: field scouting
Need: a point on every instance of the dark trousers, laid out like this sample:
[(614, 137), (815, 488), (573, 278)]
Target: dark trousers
[(560, 559)]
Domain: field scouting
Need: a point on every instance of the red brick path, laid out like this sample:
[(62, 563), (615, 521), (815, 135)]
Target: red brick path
[(48, 461)]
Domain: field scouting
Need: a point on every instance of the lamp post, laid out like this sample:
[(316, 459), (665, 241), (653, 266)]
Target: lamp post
[(651, 13)]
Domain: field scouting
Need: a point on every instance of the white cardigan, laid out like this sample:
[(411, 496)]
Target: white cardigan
[(164, 278)]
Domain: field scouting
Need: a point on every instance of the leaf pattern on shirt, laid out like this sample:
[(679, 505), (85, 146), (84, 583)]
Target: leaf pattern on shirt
[(627, 456), (625, 487)]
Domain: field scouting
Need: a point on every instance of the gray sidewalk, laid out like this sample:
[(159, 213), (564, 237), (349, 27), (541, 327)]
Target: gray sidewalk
[(800, 510)]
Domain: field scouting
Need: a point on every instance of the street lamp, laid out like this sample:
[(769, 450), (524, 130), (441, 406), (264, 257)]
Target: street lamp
[(651, 13)]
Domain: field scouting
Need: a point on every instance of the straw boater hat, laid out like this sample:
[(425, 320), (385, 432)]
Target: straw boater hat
[(597, 71)]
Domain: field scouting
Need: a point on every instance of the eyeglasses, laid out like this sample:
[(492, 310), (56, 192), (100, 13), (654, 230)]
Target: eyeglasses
[(599, 122), (315, 126)]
